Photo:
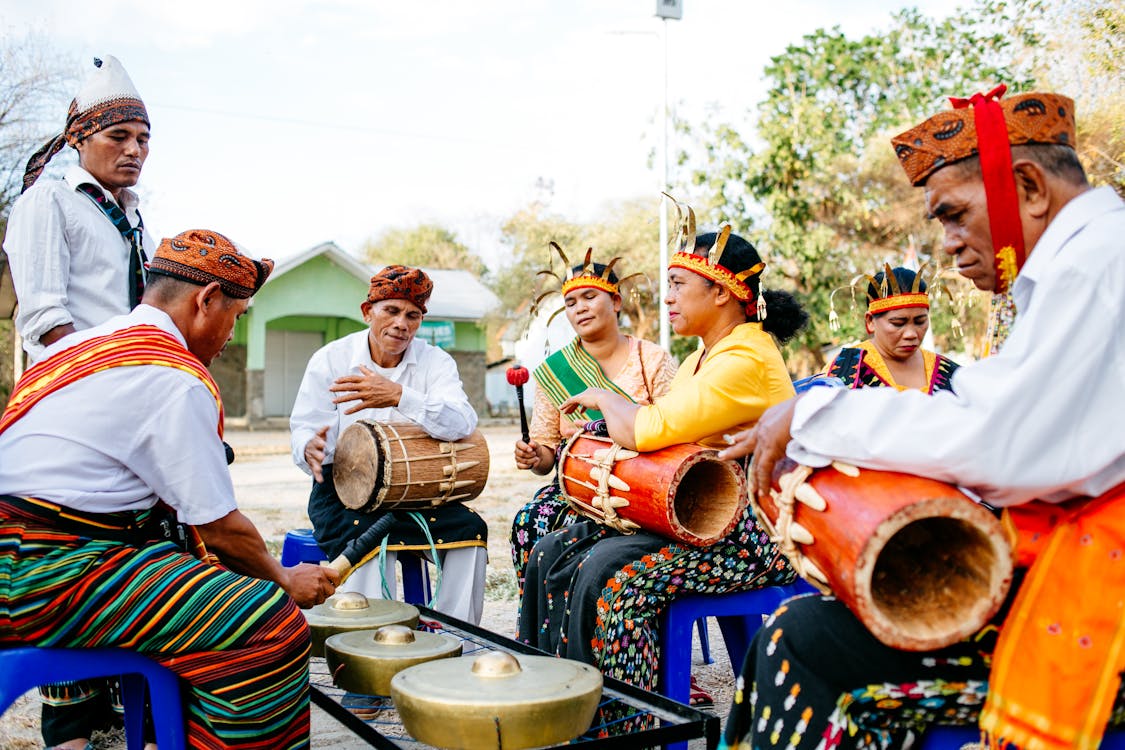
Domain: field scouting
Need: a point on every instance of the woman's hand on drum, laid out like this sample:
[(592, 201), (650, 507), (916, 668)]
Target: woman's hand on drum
[(371, 390), (309, 585), (767, 441), (314, 453), (531, 455), (587, 399)]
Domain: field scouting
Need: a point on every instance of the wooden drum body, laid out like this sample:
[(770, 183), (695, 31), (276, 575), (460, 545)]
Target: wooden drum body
[(684, 492), (917, 561), (388, 465)]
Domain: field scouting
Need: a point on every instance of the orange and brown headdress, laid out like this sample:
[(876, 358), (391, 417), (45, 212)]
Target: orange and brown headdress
[(587, 274), (201, 256), (401, 282), (987, 126)]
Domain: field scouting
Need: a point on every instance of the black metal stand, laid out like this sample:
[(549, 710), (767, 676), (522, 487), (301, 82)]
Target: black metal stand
[(678, 723)]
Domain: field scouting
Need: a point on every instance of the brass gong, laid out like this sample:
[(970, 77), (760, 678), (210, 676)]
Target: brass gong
[(497, 700), (352, 610), (364, 661)]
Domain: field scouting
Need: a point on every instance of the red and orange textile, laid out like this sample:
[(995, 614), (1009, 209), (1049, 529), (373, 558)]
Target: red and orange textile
[(139, 345), (67, 580), (1057, 664)]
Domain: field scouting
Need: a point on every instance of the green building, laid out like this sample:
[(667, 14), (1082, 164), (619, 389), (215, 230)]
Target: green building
[(314, 298)]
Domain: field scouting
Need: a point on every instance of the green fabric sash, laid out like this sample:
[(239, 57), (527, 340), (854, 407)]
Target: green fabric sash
[(568, 372)]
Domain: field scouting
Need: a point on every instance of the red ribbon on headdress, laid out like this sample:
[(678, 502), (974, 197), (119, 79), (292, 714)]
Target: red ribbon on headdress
[(995, 153)]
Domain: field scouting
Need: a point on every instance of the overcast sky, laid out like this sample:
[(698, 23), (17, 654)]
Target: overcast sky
[(285, 123)]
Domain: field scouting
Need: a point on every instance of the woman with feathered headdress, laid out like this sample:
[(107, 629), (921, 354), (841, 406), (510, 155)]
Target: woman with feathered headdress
[(897, 318), (597, 592), (599, 356)]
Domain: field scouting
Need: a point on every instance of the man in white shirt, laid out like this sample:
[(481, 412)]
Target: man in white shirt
[(77, 246), (1034, 429), (114, 420), (386, 374)]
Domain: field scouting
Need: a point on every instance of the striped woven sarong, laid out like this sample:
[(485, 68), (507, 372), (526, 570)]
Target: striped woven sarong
[(240, 643)]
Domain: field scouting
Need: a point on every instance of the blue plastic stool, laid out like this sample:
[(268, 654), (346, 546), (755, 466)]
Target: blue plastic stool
[(952, 738), (739, 614), (415, 578), (300, 547), (24, 668)]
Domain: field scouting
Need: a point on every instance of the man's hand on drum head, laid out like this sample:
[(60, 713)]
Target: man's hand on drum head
[(314, 453), (309, 585), (767, 441), (371, 390)]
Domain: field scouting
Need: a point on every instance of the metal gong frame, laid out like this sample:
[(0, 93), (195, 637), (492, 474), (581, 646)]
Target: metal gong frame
[(678, 723)]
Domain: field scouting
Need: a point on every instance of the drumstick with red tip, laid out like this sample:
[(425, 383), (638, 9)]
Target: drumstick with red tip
[(517, 376)]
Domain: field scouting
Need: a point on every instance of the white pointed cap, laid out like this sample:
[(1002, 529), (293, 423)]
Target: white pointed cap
[(108, 83)]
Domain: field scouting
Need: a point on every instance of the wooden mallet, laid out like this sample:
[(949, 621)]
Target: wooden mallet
[(517, 376)]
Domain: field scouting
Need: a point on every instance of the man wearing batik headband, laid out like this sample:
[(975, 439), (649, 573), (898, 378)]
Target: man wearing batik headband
[(386, 374), (1027, 430), (77, 246), (115, 496)]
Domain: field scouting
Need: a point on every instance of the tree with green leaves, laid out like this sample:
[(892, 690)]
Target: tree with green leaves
[(628, 230), (427, 245), (825, 176)]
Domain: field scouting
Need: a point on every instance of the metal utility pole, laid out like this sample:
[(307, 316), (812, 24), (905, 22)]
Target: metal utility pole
[(665, 9)]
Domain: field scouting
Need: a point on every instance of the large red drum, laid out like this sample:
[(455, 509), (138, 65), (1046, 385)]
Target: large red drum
[(684, 492), (918, 562)]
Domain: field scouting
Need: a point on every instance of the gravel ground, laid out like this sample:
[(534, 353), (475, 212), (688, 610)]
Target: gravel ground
[(273, 493)]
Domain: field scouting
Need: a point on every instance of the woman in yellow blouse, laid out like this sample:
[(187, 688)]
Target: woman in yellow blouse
[(595, 595), (600, 356)]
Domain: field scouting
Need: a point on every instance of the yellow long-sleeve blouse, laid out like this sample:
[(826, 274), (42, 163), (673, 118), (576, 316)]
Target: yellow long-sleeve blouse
[(741, 377)]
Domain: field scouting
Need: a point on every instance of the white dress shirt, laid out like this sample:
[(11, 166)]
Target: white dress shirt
[(69, 263), (432, 394), (121, 438), (1044, 417)]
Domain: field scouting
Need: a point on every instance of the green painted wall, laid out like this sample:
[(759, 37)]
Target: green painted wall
[(470, 337), (314, 296), (319, 295)]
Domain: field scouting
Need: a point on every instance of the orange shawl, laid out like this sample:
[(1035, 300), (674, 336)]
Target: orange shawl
[(1057, 665)]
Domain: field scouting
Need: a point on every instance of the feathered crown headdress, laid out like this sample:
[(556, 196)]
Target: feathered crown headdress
[(586, 276), (709, 266), (887, 294)]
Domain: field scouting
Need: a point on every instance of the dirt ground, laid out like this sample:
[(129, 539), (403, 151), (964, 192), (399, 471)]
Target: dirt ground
[(273, 493)]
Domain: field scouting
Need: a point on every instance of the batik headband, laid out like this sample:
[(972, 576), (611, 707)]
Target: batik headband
[(108, 98), (401, 282), (201, 256), (987, 127)]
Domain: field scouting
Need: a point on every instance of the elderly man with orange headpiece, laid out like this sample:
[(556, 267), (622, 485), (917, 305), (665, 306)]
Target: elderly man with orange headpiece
[(1002, 177), (386, 374), (112, 421)]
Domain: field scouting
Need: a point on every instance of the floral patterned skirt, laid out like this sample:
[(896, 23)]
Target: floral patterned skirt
[(815, 677), (595, 595)]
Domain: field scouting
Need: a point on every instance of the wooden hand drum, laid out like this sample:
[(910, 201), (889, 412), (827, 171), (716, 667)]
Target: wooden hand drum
[(917, 561), (684, 492), (388, 465)]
